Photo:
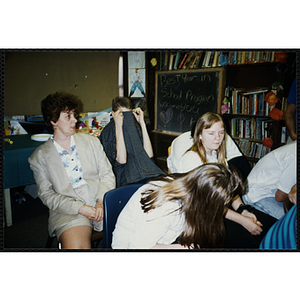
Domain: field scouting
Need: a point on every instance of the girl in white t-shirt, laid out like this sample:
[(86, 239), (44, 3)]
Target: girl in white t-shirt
[(189, 206), (208, 143), (209, 146)]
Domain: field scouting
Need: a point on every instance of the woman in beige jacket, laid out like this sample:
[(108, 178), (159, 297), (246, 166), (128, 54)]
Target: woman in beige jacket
[(72, 173)]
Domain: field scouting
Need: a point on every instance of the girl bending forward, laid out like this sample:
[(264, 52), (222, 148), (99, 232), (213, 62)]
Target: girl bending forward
[(188, 208)]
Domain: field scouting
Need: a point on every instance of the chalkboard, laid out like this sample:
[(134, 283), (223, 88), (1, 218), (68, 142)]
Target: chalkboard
[(182, 96)]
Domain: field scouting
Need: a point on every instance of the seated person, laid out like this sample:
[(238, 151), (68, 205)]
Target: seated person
[(209, 146), (282, 235), (185, 141), (271, 179), (127, 144), (179, 205), (72, 174)]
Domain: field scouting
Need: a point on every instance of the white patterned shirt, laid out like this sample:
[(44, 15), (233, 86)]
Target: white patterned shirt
[(71, 163)]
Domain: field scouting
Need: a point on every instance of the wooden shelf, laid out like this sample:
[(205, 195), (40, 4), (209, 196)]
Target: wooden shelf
[(245, 116), (252, 159), (248, 139)]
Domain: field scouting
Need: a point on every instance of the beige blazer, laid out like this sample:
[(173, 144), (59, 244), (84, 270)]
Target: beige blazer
[(54, 187)]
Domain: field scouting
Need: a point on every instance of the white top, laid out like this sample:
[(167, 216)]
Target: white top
[(184, 141), (191, 160), (276, 170), (71, 163), (138, 230)]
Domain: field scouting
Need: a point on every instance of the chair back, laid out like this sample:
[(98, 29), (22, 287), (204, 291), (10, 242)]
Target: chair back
[(169, 152), (113, 203)]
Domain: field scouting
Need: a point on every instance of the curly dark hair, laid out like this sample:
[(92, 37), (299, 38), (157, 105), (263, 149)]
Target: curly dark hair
[(56, 103)]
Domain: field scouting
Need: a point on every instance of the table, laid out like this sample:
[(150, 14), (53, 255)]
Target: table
[(17, 171)]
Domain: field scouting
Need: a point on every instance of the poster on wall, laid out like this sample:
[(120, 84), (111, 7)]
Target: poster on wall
[(136, 74)]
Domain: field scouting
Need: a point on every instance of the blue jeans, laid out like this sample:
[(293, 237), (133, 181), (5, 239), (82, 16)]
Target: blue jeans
[(269, 206)]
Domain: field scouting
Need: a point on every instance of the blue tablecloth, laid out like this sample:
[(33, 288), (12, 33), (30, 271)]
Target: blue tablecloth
[(17, 171)]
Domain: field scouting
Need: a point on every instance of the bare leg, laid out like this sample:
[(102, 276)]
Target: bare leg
[(78, 237)]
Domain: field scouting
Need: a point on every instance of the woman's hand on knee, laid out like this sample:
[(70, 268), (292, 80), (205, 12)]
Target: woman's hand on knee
[(88, 211)]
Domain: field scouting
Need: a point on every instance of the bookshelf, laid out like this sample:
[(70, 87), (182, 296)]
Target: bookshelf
[(249, 122), (252, 72), (250, 118), (176, 60)]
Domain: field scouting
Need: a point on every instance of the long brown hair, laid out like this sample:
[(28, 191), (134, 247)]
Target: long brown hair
[(205, 122), (204, 194)]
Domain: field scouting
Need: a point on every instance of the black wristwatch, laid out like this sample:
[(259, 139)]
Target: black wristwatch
[(242, 207)]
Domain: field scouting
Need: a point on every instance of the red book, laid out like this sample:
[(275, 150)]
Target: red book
[(183, 60)]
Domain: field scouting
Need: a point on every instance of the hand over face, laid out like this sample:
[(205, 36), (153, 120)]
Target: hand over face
[(139, 114), (118, 117)]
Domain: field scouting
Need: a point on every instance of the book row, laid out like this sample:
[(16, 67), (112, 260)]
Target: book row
[(254, 128), (250, 57), (249, 101), (205, 59), (181, 60), (253, 149)]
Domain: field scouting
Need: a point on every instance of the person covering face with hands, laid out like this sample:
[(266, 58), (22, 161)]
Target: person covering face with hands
[(127, 144)]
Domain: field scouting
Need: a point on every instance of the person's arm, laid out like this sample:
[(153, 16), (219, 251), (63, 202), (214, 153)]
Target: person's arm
[(293, 194), (246, 219), (280, 196), (139, 115), (45, 173), (121, 156), (53, 200), (289, 119), (247, 222)]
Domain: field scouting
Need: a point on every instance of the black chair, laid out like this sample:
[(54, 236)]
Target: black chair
[(242, 164), (113, 203)]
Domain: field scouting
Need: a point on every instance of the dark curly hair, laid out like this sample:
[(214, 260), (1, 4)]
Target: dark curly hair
[(56, 103)]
